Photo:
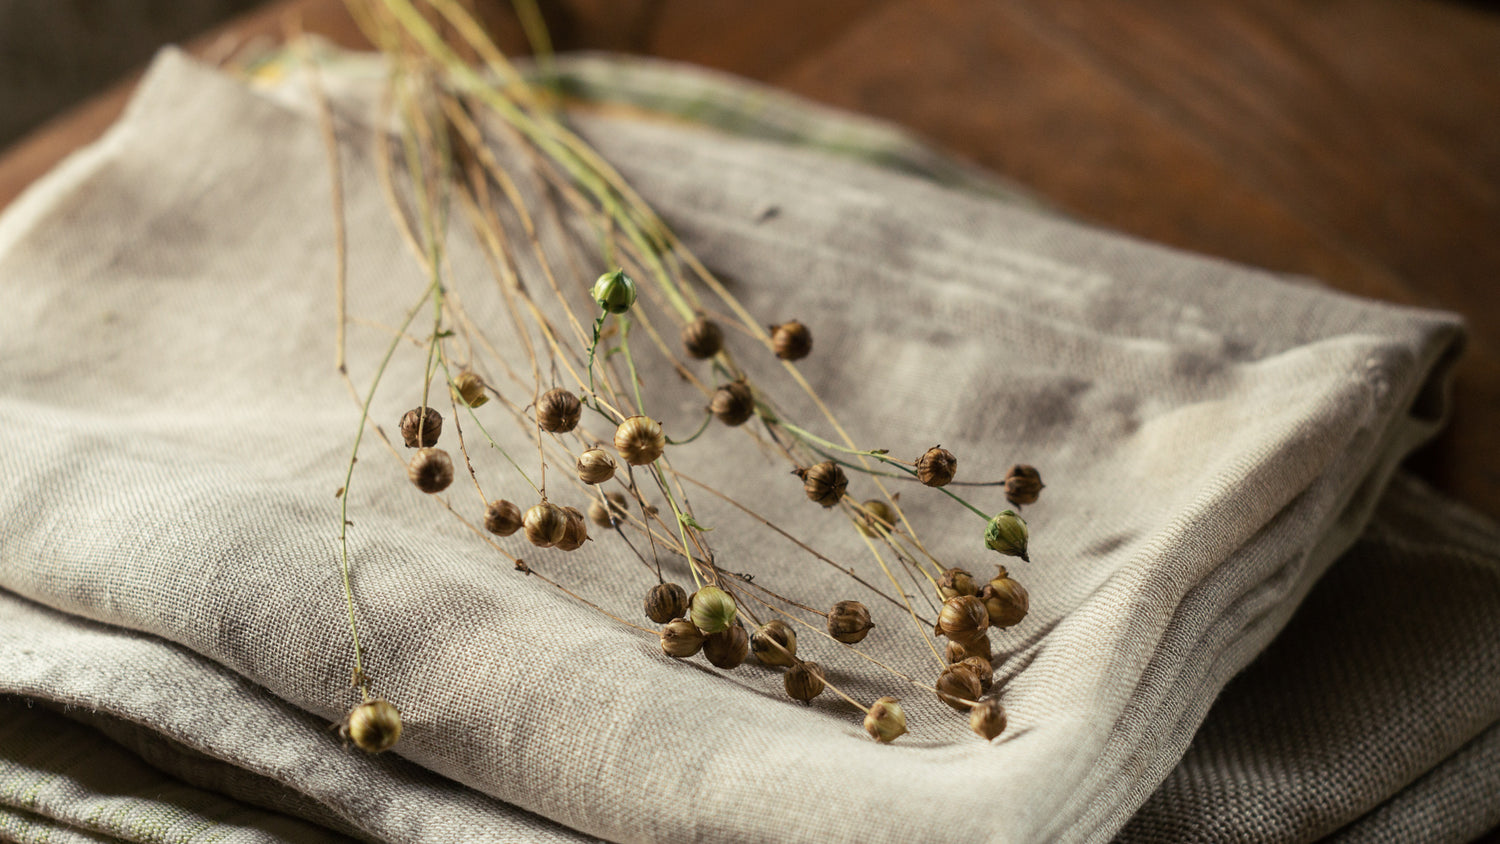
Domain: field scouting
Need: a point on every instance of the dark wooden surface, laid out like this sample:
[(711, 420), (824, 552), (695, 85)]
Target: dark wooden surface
[(1357, 141)]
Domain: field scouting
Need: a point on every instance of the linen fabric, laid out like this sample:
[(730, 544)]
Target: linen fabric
[(1212, 437)]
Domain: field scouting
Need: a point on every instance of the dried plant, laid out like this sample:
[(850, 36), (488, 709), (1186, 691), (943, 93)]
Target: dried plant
[(456, 99)]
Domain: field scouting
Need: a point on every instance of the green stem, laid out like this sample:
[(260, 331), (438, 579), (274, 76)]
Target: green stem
[(707, 418), (687, 550), (635, 382)]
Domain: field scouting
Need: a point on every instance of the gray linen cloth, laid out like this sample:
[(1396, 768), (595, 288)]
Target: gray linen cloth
[(1213, 437)]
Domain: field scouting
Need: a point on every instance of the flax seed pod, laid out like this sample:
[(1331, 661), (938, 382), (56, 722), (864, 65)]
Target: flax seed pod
[(595, 466), (575, 531), (823, 482), (1005, 600), (665, 602), (374, 726), (545, 524), (502, 518), (963, 619), (804, 681), (936, 466), (982, 669), (702, 338), (1023, 484), (639, 440), (955, 582), (956, 685), (430, 470), (886, 721), (727, 648), (791, 340), (775, 643), (428, 425), (732, 403), (558, 411), (987, 719), (679, 638), (849, 622), (878, 517), (1007, 533), (468, 387)]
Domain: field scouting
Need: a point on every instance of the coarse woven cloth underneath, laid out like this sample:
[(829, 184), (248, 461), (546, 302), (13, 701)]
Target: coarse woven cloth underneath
[(1213, 438)]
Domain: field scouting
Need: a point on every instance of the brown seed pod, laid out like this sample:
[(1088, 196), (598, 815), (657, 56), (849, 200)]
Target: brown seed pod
[(886, 721), (804, 681), (775, 643), (982, 669), (963, 619), (429, 423), (823, 482), (960, 651), (1005, 600), (373, 726), (680, 638), (878, 516), (545, 524), (558, 411), (791, 340), (849, 622), (502, 518), (702, 338), (955, 582), (727, 648), (987, 719), (665, 602), (1023, 484), (430, 469), (575, 531), (595, 466), (469, 388), (937, 466), (733, 403), (639, 440), (956, 684)]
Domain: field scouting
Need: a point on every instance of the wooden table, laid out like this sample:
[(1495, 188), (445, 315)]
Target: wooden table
[(1357, 141)]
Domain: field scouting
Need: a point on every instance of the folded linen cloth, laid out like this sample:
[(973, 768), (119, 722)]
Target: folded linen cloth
[(1212, 436)]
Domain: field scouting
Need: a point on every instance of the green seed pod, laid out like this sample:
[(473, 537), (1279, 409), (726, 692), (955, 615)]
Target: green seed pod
[(824, 482), (963, 619), (502, 518), (726, 649), (1023, 484), (711, 609), (791, 340), (680, 638), (1007, 534), (804, 681), (558, 411), (665, 602), (430, 470), (639, 440), (955, 582), (732, 403), (545, 524), (374, 726), (936, 466), (614, 292), (886, 721), (958, 684), (426, 425), (1005, 600), (775, 643), (702, 338), (849, 622), (595, 466), (468, 388), (987, 719)]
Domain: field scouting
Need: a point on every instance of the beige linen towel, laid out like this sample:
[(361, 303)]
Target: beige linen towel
[(1212, 436)]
